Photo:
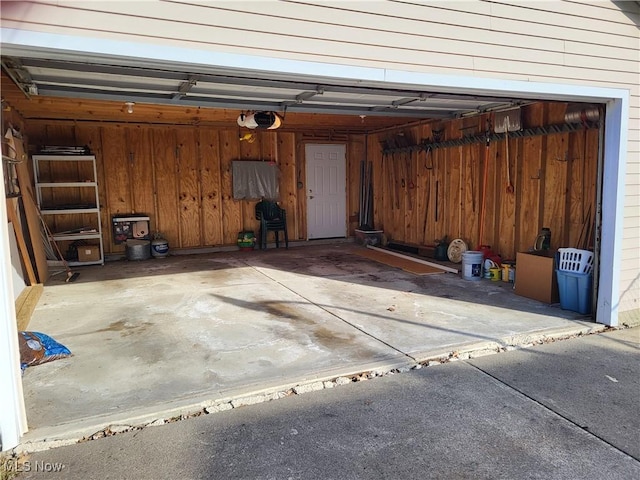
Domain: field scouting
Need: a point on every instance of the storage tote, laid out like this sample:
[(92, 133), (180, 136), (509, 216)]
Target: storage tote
[(575, 291)]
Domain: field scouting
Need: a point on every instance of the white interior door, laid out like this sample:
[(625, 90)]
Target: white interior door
[(326, 191)]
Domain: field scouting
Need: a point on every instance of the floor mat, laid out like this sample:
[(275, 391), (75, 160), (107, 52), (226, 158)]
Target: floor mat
[(406, 264)]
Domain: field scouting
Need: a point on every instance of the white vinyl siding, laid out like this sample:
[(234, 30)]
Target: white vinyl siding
[(316, 29), (594, 43)]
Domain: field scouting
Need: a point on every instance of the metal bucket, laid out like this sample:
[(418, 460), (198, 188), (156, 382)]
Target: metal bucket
[(138, 249)]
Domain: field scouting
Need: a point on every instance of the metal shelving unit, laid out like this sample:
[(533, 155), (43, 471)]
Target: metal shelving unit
[(48, 209)]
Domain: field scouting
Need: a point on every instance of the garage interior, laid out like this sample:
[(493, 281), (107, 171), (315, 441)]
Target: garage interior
[(165, 140), (170, 158)]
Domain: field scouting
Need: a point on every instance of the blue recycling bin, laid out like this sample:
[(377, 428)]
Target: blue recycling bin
[(575, 291)]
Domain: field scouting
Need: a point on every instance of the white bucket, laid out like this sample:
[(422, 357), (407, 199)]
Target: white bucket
[(472, 265)]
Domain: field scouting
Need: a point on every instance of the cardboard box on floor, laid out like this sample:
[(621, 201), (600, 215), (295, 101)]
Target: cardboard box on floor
[(88, 253), (536, 276)]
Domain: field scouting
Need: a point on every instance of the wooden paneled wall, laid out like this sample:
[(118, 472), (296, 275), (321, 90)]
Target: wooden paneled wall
[(422, 198), (181, 176)]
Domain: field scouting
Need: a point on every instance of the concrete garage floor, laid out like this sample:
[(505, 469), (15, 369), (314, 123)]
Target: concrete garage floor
[(160, 338)]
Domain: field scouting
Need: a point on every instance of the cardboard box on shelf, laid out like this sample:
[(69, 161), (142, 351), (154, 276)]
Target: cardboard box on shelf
[(536, 277), (88, 253)]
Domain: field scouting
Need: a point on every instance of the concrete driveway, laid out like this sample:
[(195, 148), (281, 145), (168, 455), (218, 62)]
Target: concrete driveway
[(163, 338)]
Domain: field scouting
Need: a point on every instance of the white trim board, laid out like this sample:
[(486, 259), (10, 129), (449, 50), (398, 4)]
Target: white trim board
[(13, 419)]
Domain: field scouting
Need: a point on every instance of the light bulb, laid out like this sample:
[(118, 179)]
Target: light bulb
[(129, 106)]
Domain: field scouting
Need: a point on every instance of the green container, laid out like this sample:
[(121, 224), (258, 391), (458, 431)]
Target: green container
[(441, 251), (246, 239)]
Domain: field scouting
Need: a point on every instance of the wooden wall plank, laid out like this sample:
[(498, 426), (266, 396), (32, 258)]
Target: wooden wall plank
[(507, 203), (263, 147), (188, 188), (390, 195), (498, 184), (397, 211), (454, 193), (425, 188), (420, 191), (590, 180), (37, 136), (59, 134), (301, 198), (26, 303), (453, 131), (555, 189), (116, 169), (210, 187), (405, 179), (287, 163), (394, 206), (139, 154), (380, 183), (530, 180), (164, 159), (381, 193), (529, 193), (576, 191), (436, 192), (355, 160), (554, 113), (232, 221), (434, 234), (467, 195), (413, 211), (401, 175), (471, 183), (491, 170)]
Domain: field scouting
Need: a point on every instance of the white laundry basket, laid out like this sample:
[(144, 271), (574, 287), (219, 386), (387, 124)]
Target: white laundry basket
[(575, 260)]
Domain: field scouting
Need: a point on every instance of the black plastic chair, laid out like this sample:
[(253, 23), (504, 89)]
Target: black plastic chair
[(272, 219)]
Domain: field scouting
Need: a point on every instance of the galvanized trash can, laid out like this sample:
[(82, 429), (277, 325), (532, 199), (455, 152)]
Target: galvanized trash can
[(138, 249)]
